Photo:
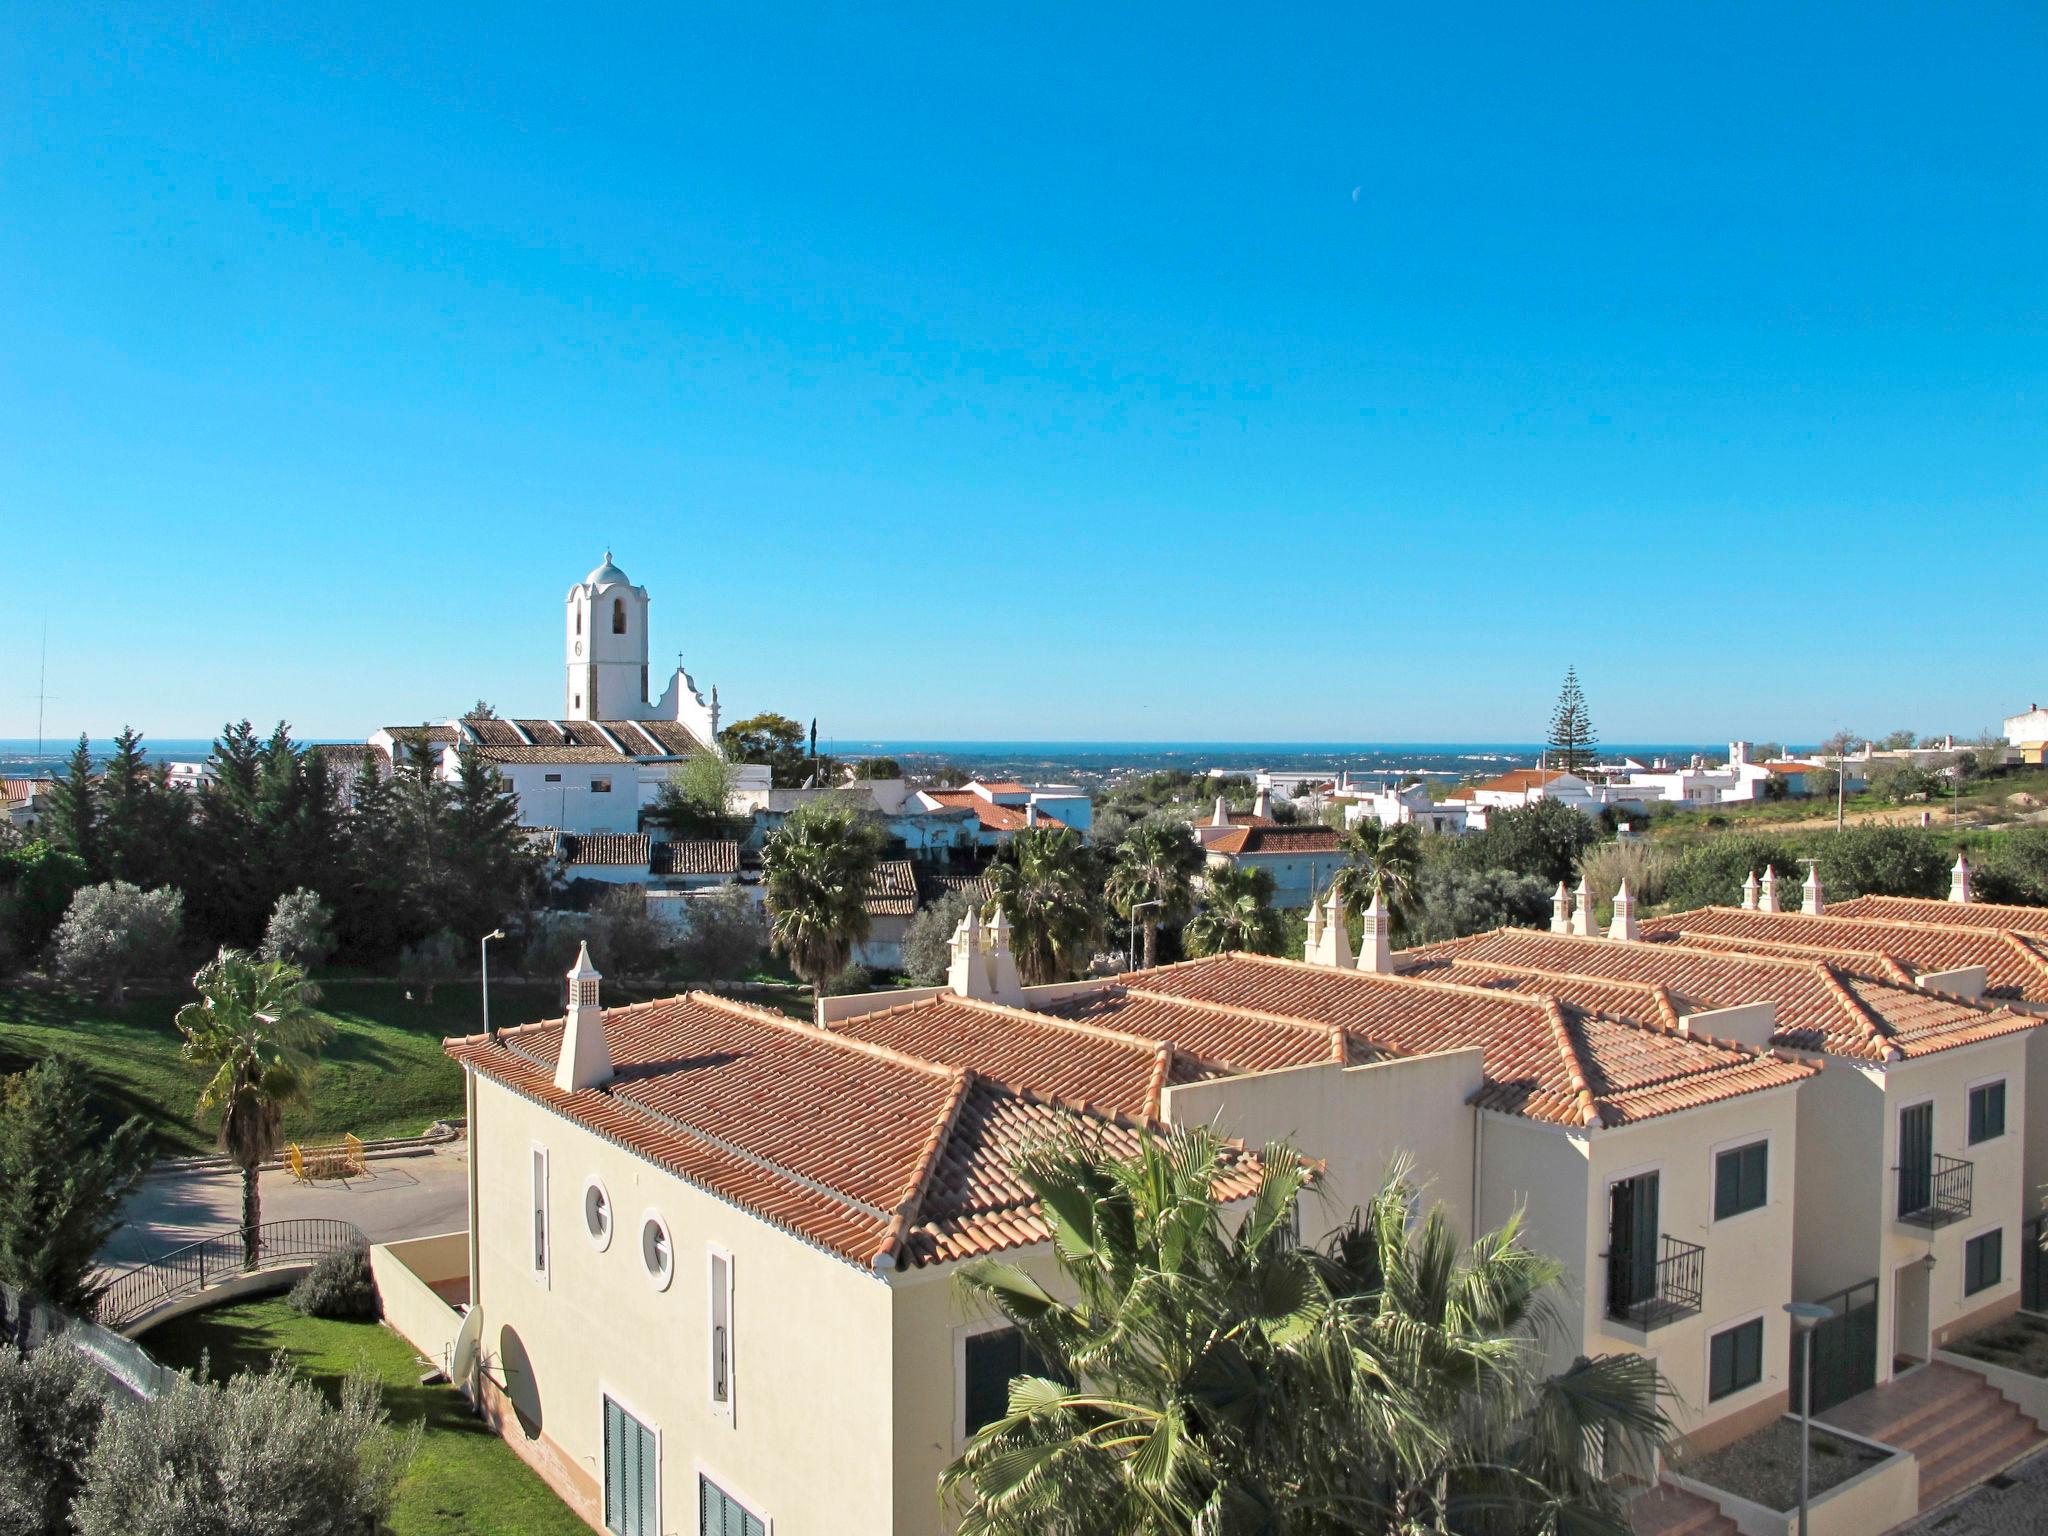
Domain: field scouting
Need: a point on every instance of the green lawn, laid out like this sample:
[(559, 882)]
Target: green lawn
[(381, 1072), (466, 1481)]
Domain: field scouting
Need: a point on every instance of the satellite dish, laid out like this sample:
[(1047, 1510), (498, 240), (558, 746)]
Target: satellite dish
[(462, 1358)]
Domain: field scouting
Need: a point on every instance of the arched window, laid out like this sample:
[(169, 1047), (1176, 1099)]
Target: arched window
[(618, 615), (579, 621)]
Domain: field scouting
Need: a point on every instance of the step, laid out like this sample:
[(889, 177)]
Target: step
[(1966, 1416), (1944, 1393), (1942, 1478), (1668, 1511)]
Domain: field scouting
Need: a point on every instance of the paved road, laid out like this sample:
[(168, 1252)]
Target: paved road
[(2018, 1509), (400, 1197)]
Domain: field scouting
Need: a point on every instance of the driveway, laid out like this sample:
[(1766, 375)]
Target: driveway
[(413, 1196)]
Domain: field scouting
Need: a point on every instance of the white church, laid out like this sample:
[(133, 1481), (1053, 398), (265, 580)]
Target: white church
[(590, 772)]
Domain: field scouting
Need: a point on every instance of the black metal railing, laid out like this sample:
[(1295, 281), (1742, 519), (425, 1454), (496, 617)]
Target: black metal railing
[(1935, 1193), (1651, 1294), (136, 1292)]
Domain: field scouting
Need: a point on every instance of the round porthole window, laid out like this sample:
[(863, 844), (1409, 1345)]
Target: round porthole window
[(657, 1252), (597, 1214)]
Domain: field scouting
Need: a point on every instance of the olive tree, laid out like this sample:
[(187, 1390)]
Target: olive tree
[(117, 931)]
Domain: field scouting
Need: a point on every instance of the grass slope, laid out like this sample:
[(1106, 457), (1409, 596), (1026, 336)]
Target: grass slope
[(465, 1482), (381, 1072)]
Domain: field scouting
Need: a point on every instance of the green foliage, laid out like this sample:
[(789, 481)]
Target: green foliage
[(300, 932), (626, 939), (426, 963), (1572, 742), (1211, 1374), (1645, 866), (1711, 872), (1455, 901), (74, 821), (927, 941), (878, 768), (816, 866), (1384, 862), (1157, 861), (264, 1455), (1046, 882), (1874, 860), (37, 882), (64, 1171), (695, 805), (773, 739), (1544, 840), (340, 1285), (2013, 869), (1236, 914), (114, 932), (52, 1401)]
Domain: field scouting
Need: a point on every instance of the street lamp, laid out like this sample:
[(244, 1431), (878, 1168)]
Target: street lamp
[(1131, 948), (483, 947), (1806, 1316)]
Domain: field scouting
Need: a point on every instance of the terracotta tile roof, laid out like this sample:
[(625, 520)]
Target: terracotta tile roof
[(1544, 1059), (1213, 1037), (695, 858), (1943, 914), (433, 735), (880, 1158), (616, 849), (932, 884), (28, 789), (673, 738), (996, 818), (1521, 780), (1820, 1006), (892, 889), (1789, 769), (552, 754), (495, 733), (2016, 969), (1277, 839)]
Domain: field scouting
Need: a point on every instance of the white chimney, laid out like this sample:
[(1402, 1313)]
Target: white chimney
[(1624, 924), (1959, 880), (1031, 814), (1376, 949), (1263, 805), (1312, 950), (585, 1061), (1337, 932), (1767, 893), (1815, 906), (1561, 910), (1221, 818), (1583, 922), (1749, 893), (1004, 984), (967, 975)]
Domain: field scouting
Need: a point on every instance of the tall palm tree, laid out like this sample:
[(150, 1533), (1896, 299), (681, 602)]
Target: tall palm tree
[(257, 1038), (1213, 1375), (817, 865), (1236, 913), (1383, 861), (1156, 863), (1045, 883)]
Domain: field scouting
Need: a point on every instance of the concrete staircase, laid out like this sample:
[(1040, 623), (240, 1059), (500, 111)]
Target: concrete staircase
[(1668, 1511), (1960, 1427)]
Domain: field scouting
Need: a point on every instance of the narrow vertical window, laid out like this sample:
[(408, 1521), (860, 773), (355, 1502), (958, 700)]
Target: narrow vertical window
[(721, 1330), (618, 615), (540, 1211)]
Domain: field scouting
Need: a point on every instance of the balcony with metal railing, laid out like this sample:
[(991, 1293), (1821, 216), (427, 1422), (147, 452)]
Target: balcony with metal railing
[(1648, 1294), (1935, 1193)]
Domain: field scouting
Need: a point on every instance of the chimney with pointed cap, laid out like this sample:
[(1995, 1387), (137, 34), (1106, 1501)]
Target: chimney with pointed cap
[(1561, 909), (967, 975), (1004, 984), (1624, 924), (1221, 815), (1262, 805), (1959, 880), (586, 1061), (1815, 905), (1749, 893), (1767, 892), (1584, 924), (1376, 948)]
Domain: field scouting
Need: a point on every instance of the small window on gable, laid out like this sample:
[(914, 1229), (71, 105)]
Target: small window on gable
[(540, 1212), (657, 1252), (597, 1213), (579, 621), (1987, 1111), (618, 615)]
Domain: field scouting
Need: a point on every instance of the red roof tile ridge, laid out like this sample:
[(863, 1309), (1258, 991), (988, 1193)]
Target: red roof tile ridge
[(904, 1218), (1237, 1010), (1590, 1111), (760, 1015), (1162, 1069), (1879, 1034), (1006, 1011), (2017, 943), (1395, 979)]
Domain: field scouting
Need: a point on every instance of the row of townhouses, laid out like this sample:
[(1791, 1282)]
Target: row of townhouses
[(702, 1232)]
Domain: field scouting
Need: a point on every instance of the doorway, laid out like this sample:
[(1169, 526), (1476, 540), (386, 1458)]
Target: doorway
[(1910, 1339)]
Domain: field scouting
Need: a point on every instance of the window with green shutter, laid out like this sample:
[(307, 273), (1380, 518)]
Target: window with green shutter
[(1735, 1359), (720, 1514), (1983, 1262), (993, 1360), (1742, 1179), (1987, 1111), (632, 1499)]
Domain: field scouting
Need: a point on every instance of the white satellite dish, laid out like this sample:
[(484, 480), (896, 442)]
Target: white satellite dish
[(462, 1358)]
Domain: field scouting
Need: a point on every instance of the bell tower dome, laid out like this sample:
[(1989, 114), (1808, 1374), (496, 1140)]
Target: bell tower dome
[(605, 647)]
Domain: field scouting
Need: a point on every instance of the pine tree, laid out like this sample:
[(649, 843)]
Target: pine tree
[(485, 872), (228, 894), (1572, 742), (374, 909), (124, 793), (75, 812)]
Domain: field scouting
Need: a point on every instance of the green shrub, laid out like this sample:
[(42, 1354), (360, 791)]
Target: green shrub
[(339, 1286), (1711, 873), (51, 1405)]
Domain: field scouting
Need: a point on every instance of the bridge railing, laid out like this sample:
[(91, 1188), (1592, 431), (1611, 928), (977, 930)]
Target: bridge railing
[(191, 1268)]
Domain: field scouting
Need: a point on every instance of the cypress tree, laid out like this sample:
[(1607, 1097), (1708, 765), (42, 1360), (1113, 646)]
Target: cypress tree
[(74, 812), (1572, 742), (124, 790)]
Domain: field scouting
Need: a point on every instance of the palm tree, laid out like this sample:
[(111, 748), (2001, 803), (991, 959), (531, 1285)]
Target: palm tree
[(1230, 1379), (1045, 885), (1236, 913), (254, 1033), (817, 866), (1384, 862), (1156, 863)]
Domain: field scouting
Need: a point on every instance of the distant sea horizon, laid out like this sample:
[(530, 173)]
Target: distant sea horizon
[(1048, 758)]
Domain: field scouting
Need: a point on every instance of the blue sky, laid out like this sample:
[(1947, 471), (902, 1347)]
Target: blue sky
[(1106, 372)]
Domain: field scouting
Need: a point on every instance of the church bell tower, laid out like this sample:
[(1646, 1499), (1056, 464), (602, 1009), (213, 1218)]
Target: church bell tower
[(606, 647)]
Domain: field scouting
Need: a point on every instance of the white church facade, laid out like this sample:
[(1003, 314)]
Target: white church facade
[(595, 769)]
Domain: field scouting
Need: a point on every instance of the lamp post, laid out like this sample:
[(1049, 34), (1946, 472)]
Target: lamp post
[(1806, 1316), (483, 948), (1131, 948)]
